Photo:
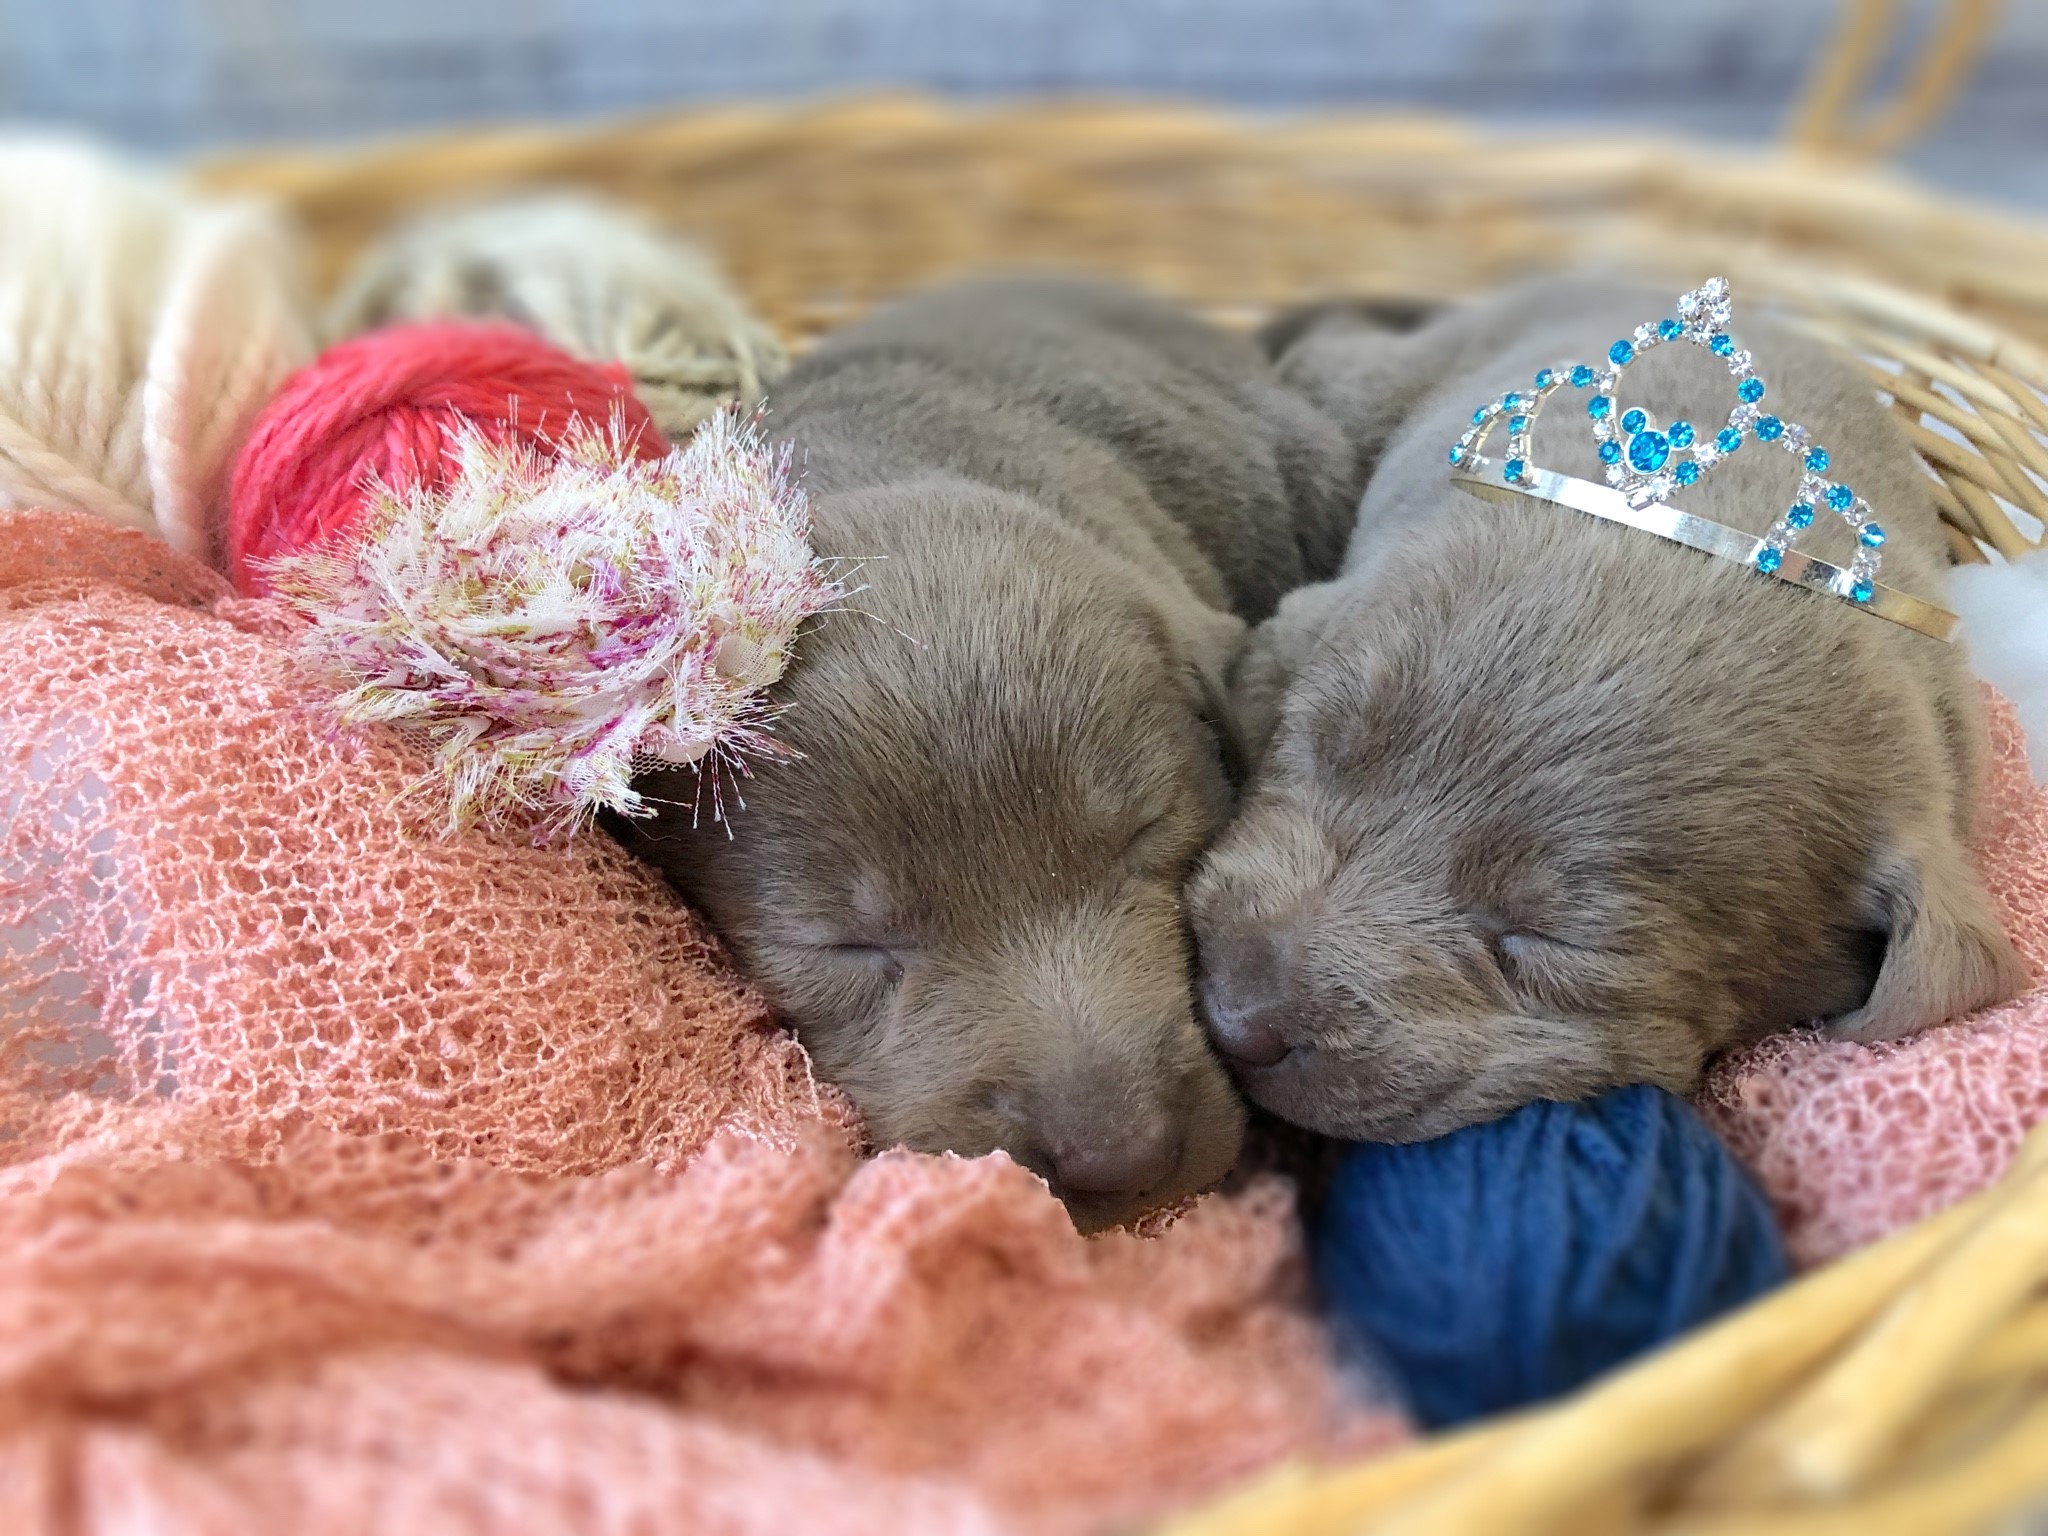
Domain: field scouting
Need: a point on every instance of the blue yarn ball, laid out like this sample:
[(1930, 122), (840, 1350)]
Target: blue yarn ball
[(1510, 1262)]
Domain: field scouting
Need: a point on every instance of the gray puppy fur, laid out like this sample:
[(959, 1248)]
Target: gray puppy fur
[(1547, 805), (966, 894)]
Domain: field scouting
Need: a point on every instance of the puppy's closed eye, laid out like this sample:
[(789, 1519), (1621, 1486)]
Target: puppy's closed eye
[(883, 960), (827, 972), (1528, 946), (1537, 963)]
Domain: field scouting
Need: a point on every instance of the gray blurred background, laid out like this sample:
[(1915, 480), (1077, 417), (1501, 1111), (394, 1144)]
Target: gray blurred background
[(182, 75)]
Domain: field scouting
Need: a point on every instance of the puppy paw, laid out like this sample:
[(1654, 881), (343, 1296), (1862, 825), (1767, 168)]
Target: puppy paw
[(1275, 656)]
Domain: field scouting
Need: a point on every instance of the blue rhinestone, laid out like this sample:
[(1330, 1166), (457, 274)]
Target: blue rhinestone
[(1543, 378), (1750, 391), (1518, 424), (1841, 498), (1720, 344), (1727, 439), (1670, 329), (1634, 421), (1769, 429), (1511, 401), (1687, 472), (1769, 559), (1582, 376), (1647, 452), (1599, 406), (1620, 354), (1872, 536), (1817, 461), (1680, 434), (1801, 515), (1610, 452), (1479, 416), (1457, 454), (1512, 470), (1862, 591)]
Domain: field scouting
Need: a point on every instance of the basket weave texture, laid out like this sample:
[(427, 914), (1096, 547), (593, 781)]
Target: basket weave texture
[(1905, 1389), (819, 213)]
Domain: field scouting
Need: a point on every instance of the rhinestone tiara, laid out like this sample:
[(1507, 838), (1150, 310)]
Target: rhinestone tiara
[(1646, 463)]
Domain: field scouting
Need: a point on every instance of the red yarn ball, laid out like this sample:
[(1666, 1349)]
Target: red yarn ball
[(386, 404)]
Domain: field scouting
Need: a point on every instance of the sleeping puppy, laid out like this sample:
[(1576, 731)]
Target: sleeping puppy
[(965, 895), (1547, 805)]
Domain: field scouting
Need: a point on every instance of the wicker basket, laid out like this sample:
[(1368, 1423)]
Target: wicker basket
[(1904, 1390)]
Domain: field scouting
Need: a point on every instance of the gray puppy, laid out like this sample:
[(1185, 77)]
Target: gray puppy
[(965, 896), (1548, 805)]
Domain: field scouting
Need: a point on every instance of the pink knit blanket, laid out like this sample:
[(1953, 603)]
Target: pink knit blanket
[(1854, 1141), (353, 1181), (356, 1181)]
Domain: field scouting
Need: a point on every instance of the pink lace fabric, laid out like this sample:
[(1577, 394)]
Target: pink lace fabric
[(1852, 1142), (354, 1181)]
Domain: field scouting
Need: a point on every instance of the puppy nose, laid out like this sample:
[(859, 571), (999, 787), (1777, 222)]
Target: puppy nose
[(1117, 1159), (1244, 1002), (1250, 1034)]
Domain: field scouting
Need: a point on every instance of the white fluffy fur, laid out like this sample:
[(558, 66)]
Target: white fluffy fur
[(141, 330), (2005, 621)]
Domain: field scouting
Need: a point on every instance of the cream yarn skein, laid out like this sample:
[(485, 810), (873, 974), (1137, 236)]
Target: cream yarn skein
[(587, 277), (141, 330)]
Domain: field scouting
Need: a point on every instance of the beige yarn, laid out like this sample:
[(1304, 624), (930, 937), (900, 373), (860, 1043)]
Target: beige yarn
[(589, 278), (141, 330)]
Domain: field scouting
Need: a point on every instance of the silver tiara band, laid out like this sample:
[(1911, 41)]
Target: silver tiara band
[(1711, 538), (1647, 461)]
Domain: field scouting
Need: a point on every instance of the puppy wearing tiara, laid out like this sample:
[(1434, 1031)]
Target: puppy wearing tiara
[(1631, 731)]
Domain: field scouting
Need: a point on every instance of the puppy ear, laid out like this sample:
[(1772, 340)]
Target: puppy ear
[(1946, 954), (1206, 642)]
